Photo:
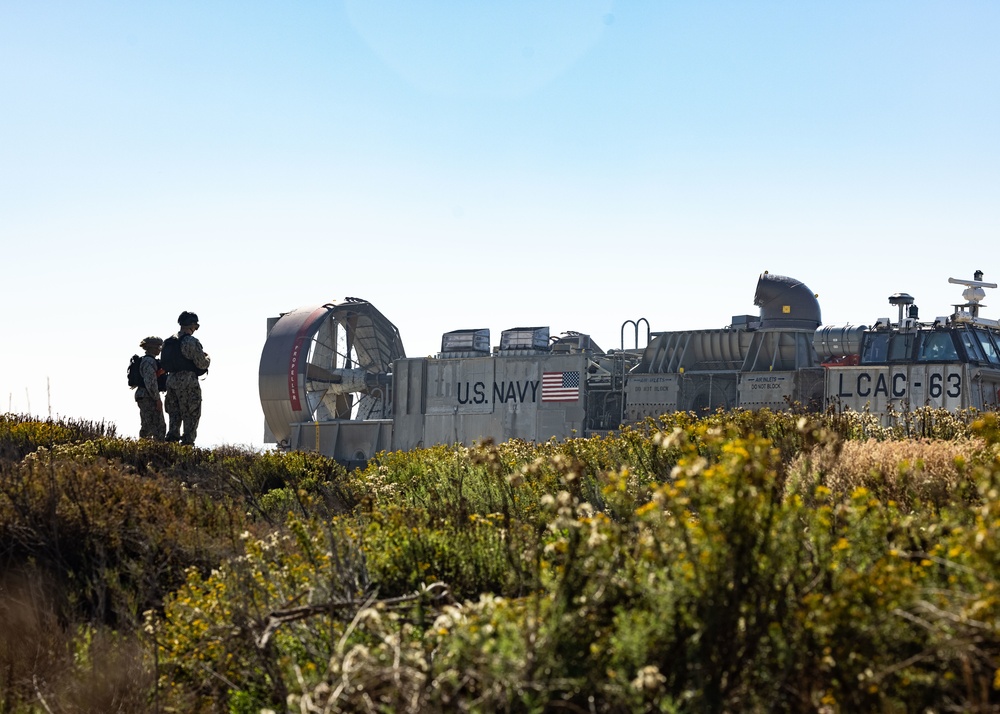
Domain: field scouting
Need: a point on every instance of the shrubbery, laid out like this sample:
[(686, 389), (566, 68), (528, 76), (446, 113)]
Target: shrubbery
[(743, 561)]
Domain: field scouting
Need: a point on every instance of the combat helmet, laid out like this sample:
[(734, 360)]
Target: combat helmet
[(187, 318)]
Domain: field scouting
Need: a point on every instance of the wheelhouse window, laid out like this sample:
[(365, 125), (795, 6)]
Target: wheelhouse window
[(936, 347), (989, 346), (876, 348), (882, 347), (901, 347), (973, 351)]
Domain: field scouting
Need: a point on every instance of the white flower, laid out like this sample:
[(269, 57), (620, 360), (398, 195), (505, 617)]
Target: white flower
[(648, 678)]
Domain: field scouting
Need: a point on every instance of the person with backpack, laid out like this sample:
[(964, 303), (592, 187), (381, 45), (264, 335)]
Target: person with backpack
[(185, 360), (145, 375)]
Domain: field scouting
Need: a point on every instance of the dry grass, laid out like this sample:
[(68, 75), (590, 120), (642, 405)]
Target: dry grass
[(935, 473), (64, 672), (32, 647), (115, 676)]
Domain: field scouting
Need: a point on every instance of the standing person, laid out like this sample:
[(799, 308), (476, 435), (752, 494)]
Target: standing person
[(147, 394), (187, 361)]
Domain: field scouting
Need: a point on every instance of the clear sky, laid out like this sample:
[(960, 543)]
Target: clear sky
[(571, 163)]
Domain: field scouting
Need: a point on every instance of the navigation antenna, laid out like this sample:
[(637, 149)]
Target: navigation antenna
[(973, 292)]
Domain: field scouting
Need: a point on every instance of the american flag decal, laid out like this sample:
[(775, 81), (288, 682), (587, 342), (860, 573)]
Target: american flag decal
[(560, 386)]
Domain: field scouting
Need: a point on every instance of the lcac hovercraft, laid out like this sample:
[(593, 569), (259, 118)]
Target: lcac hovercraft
[(335, 379), (952, 362)]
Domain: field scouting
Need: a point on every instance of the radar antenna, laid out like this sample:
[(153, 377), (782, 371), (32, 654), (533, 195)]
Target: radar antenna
[(973, 293)]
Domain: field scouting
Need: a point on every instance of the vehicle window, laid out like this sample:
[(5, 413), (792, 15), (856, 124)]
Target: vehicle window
[(971, 345), (901, 348), (936, 347), (989, 348), (876, 349)]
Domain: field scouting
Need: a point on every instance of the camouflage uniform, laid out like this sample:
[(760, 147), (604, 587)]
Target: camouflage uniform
[(183, 403), (147, 396)]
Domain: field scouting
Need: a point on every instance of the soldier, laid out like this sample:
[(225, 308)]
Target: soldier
[(183, 390), (147, 394)]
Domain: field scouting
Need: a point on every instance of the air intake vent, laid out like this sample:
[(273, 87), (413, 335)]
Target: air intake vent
[(786, 303), (464, 341), (530, 339)]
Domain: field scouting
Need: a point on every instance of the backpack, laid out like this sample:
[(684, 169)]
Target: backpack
[(135, 375), (134, 378), (171, 359)]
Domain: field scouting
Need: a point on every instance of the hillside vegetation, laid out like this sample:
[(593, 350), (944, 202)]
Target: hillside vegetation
[(743, 561)]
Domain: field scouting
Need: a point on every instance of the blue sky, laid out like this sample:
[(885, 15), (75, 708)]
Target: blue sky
[(472, 164)]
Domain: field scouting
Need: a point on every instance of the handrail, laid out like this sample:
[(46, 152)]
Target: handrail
[(635, 324)]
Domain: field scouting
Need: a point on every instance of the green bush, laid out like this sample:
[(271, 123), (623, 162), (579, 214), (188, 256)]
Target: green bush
[(20, 434), (741, 561)]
